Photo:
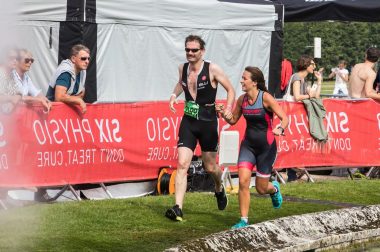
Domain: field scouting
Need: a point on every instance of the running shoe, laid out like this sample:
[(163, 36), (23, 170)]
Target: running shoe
[(240, 224), (174, 213), (277, 197), (221, 198)]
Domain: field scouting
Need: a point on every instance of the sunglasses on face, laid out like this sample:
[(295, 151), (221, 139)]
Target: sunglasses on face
[(312, 64), (193, 50), (85, 58), (28, 60)]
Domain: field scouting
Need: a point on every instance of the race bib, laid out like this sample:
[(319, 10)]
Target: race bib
[(191, 109)]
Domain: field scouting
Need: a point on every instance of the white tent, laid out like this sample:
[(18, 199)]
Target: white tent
[(137, 45)]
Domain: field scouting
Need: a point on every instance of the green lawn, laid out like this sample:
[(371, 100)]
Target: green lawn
[(139, 224), (328, 87)]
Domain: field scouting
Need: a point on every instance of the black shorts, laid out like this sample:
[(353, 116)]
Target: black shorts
[(191, 130), (263, 158)]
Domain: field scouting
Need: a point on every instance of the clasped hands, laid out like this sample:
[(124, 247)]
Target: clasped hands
[(224, 112)]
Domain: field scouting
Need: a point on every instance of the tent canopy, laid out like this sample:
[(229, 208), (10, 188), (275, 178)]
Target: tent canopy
[(320, 10), (137, 45)]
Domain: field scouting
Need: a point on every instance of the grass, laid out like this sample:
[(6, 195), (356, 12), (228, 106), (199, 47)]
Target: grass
[(328, 87), (138, 224), (372, 245), (349, 192)]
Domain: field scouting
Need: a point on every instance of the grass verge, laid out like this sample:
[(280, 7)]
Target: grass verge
[(139, 224)]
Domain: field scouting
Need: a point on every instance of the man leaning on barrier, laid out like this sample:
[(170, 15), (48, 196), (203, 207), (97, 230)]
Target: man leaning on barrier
[(30, 94), (363, 75), (67, 84)]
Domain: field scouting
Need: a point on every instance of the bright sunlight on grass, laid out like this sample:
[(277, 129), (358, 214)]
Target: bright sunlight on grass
[(139, 224)]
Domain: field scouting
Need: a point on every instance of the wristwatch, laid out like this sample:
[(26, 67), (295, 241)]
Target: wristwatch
[(282, 130)]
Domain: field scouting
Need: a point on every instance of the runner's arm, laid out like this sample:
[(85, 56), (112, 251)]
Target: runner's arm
[(176, 91), (271, 104), (222, 78), (235, 115)]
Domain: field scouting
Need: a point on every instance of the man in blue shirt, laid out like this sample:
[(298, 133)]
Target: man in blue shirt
[(67, 84)]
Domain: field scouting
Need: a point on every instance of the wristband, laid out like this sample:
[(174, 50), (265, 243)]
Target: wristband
[(229, 107), (173, 94)]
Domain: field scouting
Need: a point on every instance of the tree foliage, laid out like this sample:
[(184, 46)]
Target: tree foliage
[(340, 41)]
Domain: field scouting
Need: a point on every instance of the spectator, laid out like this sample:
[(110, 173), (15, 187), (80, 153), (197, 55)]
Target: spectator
[(341, 78), (362, 83), (286, 73), (363, 76), (9, 92), (30, 94), (376, 84), (67, 84), (299, 90), (9, 95)]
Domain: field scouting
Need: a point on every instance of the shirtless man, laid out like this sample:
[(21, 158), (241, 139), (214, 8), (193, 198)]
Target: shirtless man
[(363, 76), (199, 80)]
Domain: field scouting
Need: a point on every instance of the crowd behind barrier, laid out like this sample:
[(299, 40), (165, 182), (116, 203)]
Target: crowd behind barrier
[(130, 141)]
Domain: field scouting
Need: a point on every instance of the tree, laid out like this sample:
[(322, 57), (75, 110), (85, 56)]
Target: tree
[(340, 40)]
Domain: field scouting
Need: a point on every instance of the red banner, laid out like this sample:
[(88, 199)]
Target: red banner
[(353, 128), (130, 141)]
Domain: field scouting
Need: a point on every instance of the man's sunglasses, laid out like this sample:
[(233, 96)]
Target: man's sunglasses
[(85, 58), (193, 50), (28, 60)]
